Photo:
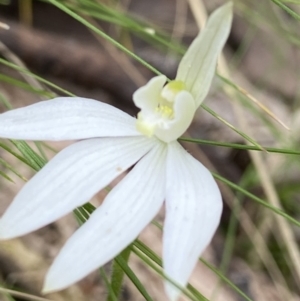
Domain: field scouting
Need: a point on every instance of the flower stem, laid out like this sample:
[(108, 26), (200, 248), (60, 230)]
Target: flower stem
[(118, 274)]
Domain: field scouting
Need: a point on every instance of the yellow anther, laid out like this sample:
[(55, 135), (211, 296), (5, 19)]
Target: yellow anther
[(164, 111)]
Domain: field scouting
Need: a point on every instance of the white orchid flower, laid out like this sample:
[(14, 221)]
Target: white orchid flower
[(163, 171)]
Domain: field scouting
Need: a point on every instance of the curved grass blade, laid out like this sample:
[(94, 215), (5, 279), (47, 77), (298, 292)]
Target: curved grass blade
[(102, 34), (37, 161), (287, 9), (112, 295), (5, 176), (225, 279), (123, 264), (9, 167), (256, 199), (40, 79), (138, 27), (24, 86), (241, 146), (22, 296), (158, 270), (22, 159), (118, 274), (217, 116), (254, 100), (154, 257)]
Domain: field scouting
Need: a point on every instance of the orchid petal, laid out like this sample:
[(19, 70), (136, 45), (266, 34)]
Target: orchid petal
[(193, 210), (198, 65), (148, 97), (127, 209), (66, 118), (69, 180)]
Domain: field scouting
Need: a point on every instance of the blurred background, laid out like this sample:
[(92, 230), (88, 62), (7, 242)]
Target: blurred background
[(254, 101)]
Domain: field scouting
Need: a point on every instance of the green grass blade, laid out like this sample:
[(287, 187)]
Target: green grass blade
[(287, 9), (123, 264), (118, 273), (22, 159), (225, 279), (102, 34), (35, 160), (38, 78), (12, 169), (158, 270), (108, 285), (24, 86), (241, 146), (257, 199), (217, 116), (5, 176)]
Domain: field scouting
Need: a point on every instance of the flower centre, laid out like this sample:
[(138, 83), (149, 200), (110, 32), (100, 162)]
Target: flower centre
[(166, 111), (165, 108), (163, 112)]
